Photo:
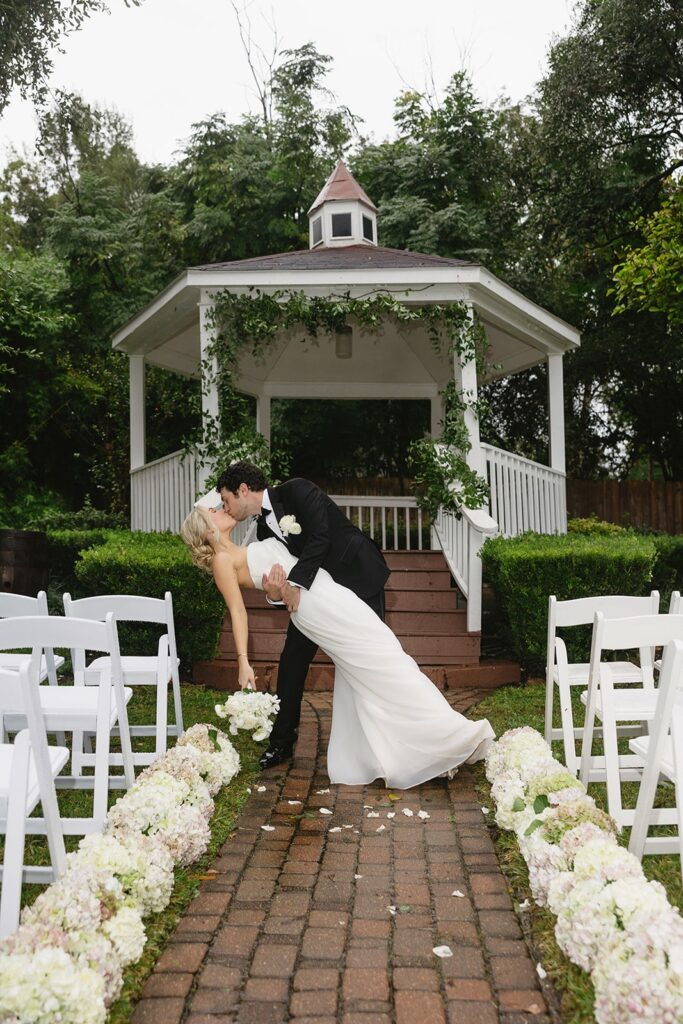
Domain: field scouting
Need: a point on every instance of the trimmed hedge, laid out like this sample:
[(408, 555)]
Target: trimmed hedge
[(149, 564), (525, 570), (64, 548)]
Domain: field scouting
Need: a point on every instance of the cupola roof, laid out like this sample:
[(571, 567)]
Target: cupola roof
[(341, 186)]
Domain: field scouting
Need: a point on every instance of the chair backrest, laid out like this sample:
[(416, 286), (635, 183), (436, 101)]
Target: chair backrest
[(19, 693), (40, 631), (581, 611), (12, 605), (125, 608), (675, 603), (643, 631)]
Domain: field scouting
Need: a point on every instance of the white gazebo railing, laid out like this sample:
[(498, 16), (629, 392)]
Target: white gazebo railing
[(396, 523), (163, 492), (525, 495)]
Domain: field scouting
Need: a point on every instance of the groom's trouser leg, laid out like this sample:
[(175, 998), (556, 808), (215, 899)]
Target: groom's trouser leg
[(295, 660), (296, 657)]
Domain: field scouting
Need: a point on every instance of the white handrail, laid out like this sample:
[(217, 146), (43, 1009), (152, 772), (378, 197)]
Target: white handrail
[(461, 540), (394, 522), (525, 495)]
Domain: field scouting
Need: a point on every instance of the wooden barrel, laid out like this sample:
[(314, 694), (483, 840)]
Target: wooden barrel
[(23, 561)]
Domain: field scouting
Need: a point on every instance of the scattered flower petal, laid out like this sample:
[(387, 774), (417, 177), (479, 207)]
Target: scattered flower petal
[(524, 905), (293, 803), (268, 828), (373, 814), (460, 895), (367, 807), (325, 810), (486, 810), (442, 951), (541, 972), (407, 811), (357, 877), (381, 828), (423, 815), (337, 828), (260, 789), (391, 814), (348, 826), (392, 910), (320, 791)]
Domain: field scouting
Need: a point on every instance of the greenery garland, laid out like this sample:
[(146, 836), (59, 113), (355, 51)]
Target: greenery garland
[(256, 319)]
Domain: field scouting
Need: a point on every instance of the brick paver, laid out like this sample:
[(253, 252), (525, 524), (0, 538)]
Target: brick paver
[(333, 918)]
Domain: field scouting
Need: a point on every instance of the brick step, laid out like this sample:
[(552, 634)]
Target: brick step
[(452, 622), (433, 649), (222, 675), (438, 599), (419, 579), (414, 559)]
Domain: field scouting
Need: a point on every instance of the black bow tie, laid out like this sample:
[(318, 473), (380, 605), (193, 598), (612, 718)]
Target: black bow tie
[(265, 512)]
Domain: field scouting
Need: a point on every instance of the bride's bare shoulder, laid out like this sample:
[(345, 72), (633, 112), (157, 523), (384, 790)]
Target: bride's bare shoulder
[(223, 562)]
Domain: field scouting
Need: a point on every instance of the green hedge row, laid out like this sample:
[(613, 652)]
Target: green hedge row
[(525, 570), (150, 564)]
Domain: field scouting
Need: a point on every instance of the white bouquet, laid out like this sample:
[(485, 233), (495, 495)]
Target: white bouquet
[(250, 710)]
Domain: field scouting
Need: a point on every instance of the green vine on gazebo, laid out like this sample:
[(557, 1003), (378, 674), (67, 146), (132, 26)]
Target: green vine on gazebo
[(254, 320)]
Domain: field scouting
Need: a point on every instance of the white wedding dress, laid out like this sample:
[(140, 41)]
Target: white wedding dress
[(389, 721)]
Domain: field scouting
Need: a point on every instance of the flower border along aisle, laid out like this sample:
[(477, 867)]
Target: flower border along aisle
[(65, 962), (611, 921)]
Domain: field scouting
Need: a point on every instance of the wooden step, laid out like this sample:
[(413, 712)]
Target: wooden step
[(419, 579), (452, 622), (414, 559), (446, 650)]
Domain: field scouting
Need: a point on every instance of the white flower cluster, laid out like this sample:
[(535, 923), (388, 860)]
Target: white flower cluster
[(611, 921), (251, 710), (65, 962)]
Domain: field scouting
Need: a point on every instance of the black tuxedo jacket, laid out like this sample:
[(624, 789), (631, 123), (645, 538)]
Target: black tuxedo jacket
[(327, 540)]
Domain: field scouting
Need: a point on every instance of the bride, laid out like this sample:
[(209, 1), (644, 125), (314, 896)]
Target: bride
[(389, 721)]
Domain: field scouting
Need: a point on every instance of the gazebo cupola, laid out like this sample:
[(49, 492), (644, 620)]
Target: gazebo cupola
[(342, 214)]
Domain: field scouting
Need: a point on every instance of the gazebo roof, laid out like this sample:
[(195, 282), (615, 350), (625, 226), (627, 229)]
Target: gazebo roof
[(349, 257), (341, 186)]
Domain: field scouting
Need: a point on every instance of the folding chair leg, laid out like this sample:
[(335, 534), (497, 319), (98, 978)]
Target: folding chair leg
[(177, 702), (102, 740), (644, 805), (162, 717), (549, 695), (77, 750), (13, 865), (609, 739), (567, 719)]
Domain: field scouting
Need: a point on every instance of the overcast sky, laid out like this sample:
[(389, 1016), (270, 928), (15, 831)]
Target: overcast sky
[(170, 63)]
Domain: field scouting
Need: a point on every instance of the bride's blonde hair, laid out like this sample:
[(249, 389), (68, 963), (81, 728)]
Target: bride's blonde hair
[(195, 532)]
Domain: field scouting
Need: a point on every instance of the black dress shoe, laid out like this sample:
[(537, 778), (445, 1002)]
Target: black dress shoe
[(275, 755)]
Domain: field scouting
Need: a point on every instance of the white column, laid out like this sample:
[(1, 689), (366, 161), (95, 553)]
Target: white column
[(137, 410), (465, 376), (263, 415), (556, 412), (209, 372)]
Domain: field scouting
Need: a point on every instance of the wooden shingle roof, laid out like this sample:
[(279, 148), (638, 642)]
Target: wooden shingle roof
[(348, 257)]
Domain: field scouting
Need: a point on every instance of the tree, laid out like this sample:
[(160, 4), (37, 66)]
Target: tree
[(28, 32)]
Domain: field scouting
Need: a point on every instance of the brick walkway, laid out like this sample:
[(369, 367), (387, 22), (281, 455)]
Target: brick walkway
[(296, 925)]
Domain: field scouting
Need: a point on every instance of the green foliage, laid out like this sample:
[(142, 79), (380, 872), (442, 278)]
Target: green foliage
[(593, 525), (650, 276), (64, 550), (150, 564), (442, 478), (667, 574), (525, 570)]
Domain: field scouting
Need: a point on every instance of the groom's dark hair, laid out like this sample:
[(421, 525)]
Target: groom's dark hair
[(242, 473)]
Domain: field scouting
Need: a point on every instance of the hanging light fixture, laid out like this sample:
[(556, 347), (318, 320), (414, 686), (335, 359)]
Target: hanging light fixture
[(343, 341)]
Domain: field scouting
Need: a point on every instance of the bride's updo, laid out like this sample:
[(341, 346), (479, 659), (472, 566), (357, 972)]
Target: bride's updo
[(194, 532)]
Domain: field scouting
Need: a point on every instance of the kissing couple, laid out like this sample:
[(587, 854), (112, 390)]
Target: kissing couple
[(389, 721)]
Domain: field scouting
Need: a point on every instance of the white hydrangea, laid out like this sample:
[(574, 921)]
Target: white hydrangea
[(250, 710), (78, 901), (48, 987), (127, 932), (181, 763), (545, 861), (141, 863), (604, 860), (513, 748), (633, 989), (221, 762)]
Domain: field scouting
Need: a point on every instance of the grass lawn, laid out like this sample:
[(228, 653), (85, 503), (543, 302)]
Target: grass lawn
[(198, 706), (508, 708)]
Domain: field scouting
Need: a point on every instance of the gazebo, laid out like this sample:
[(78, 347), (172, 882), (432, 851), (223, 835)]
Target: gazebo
[(344, 257)]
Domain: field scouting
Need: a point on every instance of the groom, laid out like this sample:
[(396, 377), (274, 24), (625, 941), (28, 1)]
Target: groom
[(314, 529)]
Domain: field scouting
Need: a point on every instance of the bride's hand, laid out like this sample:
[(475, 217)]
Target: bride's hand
[(245, 677), (274, 582)]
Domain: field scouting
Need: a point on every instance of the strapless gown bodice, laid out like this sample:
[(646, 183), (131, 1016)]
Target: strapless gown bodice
[(262, 555)]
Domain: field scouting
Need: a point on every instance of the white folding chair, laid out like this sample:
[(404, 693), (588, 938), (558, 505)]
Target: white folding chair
[(563, 674), (138, 670), (674, 609), (77, 709), (28, 767), (13, 605), (662, 752), (613, 705)]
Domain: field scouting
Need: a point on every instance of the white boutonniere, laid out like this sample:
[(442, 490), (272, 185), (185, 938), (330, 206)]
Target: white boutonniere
[(288, 524)]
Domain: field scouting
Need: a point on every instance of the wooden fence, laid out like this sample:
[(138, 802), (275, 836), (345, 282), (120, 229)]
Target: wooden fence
[(644, 504)]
